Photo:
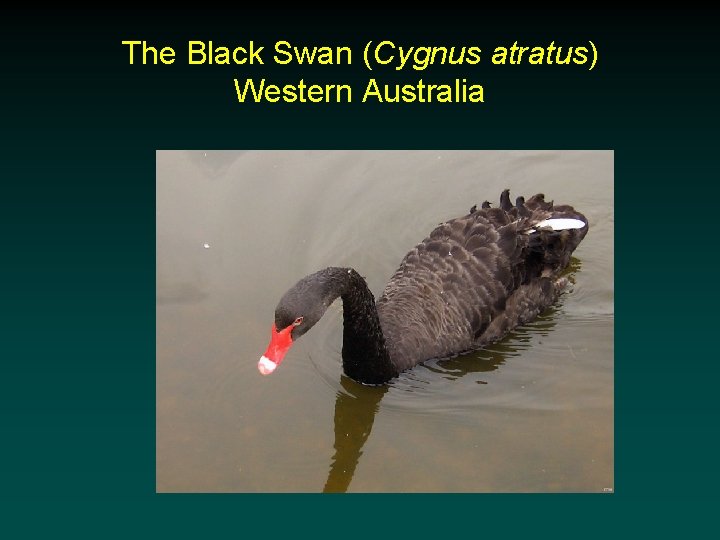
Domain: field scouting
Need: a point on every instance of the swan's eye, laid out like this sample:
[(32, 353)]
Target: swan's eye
[(297, 321)]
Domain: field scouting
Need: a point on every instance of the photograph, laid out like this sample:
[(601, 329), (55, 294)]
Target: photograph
[(385, 321)]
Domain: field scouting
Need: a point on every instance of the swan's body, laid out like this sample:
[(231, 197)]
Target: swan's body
[(466, 285)]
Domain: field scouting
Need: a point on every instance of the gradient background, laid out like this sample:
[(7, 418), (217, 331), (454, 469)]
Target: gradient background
[(80, 129)]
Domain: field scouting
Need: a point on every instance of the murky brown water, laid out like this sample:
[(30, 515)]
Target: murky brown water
[(533, 413)]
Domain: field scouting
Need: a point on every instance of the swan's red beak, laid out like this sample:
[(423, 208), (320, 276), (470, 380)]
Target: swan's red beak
[(279, 344)]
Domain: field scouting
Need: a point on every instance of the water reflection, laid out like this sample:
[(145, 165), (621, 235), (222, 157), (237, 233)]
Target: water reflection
[(355, 408)]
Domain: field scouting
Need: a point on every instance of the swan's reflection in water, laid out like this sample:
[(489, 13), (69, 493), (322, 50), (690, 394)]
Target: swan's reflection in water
[(355, 408)]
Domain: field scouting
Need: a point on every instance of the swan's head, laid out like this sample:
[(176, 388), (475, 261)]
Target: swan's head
[(296, 313)]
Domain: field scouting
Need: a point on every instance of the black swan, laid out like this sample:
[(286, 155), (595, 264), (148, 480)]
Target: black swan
[(466, 285)]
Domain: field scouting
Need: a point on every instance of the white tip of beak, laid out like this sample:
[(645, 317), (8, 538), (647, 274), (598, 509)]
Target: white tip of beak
[(266, 366)]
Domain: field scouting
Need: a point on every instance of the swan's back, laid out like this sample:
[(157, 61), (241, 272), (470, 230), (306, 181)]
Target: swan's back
[(476, 277)]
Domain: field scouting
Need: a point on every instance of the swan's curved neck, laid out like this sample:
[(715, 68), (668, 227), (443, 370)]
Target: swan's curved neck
[(365, 356)]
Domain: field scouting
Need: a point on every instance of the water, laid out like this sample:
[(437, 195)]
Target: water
[(533, 413)]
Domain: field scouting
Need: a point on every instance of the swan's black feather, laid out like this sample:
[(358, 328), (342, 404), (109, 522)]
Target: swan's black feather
[(475, 278)]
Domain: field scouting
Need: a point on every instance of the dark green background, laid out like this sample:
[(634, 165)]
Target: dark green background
[(80, 129)]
